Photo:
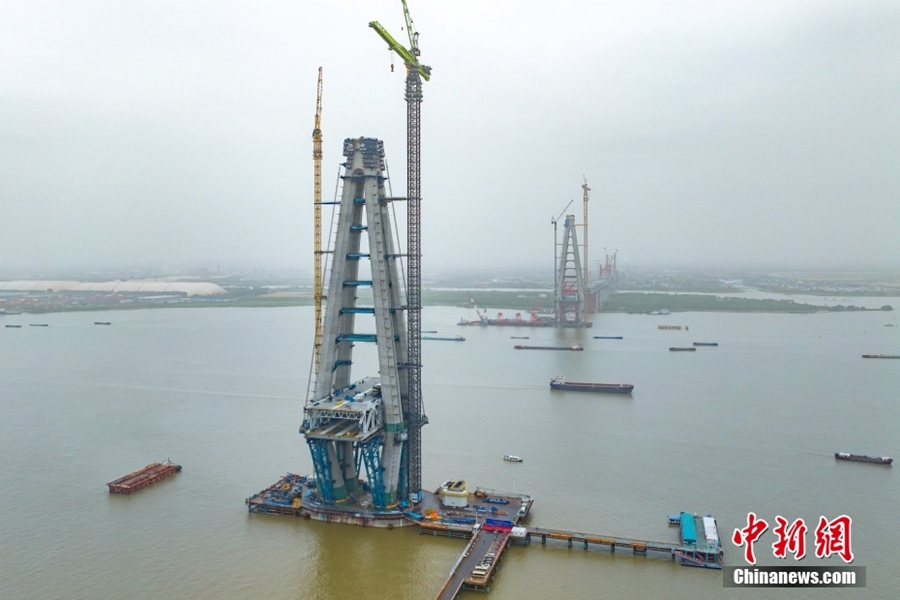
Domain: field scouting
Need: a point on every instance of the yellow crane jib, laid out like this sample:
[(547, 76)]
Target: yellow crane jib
[(408, 57)]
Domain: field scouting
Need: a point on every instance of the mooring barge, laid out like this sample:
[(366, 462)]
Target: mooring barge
[(138, 480)]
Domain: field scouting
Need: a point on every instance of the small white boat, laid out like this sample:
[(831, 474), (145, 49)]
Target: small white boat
[(512, 458)]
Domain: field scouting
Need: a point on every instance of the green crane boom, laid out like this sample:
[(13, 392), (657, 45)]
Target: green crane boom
[(409, 56)]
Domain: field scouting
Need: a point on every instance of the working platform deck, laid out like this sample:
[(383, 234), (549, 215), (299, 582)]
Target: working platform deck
[(294, 495), (492, 521)]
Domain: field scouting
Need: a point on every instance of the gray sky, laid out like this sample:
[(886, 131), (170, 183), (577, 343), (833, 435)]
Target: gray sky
[(711, 132)]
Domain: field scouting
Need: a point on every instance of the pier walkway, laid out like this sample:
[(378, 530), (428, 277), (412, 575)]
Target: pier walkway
[(699, 555), (474, 569)]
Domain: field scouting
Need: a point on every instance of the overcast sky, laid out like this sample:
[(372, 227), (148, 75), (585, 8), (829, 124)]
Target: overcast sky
[(710, 132)]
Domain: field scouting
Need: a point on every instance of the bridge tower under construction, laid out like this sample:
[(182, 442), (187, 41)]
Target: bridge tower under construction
[(570, 290), (354, 426)]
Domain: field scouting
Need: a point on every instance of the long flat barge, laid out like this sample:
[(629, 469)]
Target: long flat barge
[(574, 347), (875, 460), (138, 480), (560, 383)]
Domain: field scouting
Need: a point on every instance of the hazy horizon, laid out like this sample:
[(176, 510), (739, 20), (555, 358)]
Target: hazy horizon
[(712, 135)]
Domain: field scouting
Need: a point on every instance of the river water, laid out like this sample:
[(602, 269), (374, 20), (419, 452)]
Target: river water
[(750, 425)]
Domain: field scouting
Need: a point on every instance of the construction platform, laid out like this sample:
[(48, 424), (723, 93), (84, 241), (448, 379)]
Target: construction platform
[(295, 495), (491, 520)]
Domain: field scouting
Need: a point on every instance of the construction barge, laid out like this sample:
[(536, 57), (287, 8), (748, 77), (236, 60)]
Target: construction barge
[(138, 480)]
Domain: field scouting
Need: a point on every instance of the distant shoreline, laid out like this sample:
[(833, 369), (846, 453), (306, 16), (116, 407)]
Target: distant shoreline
[(494, 300)]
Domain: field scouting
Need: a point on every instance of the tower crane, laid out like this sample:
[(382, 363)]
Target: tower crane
[(586, 189), (553, 221), (317, 221), (415, 73)]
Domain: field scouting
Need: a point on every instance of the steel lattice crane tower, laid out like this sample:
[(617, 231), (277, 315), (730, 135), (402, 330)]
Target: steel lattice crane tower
[(317, 221), (587, 264), (415, 73)]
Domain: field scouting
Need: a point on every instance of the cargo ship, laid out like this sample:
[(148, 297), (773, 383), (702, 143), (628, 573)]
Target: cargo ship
[(141, 478), (680, 349), (706, 343), (569, 347), (877, 460), (881, 355), (607, 337), (560, 383), (455, 338)]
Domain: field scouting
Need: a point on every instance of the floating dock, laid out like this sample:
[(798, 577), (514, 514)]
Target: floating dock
[(144, 477)]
